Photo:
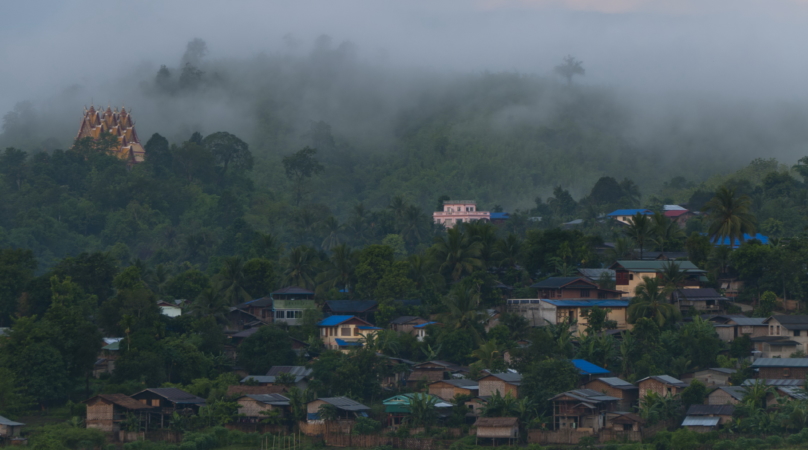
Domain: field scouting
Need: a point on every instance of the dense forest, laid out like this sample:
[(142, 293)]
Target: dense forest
[(312, 171)]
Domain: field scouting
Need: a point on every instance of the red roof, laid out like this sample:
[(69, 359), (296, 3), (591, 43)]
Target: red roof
[(676, 213)]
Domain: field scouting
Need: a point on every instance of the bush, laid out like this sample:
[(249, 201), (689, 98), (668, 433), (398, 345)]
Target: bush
[(724, 445), (775, 441), (365, 425), (795, 439)]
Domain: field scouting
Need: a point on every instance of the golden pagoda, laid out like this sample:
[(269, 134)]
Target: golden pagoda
[(117, 123)]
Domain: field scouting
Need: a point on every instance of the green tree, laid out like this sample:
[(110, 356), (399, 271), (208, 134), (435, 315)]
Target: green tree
[(651, 301), (456, 253), (766, 305), (299, 167), (231, 279), (422, 409), (228, 150), (300, 267), (258, 277), (730, 216), (640, 229), (269, 346), (569, 68), (695, 394)]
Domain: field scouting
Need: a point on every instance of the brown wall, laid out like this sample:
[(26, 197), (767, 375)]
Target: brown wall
[(628, 398), (100, 416), (719, 397), (448, 391), (253, 408), (314, 407), (779, 373), (658, 387), (491, 384)]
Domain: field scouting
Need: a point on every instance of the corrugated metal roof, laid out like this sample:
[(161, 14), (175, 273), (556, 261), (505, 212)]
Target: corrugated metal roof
[(404, 319), (588, 303), (345, 403), (667, 379), (736, 392), (630, 212), (332, 321), (795, 392), (496, 422), (654, 266), (595, 274), (558, 282), (748, 321), (508, 377), (344, 343), (9, 422), (461, 383), (701, 294), (780, 362), (270, 399), (617, 383), (293, 290), (500, 216), (258, 379), (587, 368), (424, 325), (774, 382), (700, 421), (587, 395), (299, 372), (725, 241), (176, 395), (710, 410)]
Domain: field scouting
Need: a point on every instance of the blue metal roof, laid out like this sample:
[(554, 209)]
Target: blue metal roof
[(343, 343), (630, 212), (366, 327), (500, 216), (333, 321), (746, 237), (589, 303), (587, 368), (424, 325)]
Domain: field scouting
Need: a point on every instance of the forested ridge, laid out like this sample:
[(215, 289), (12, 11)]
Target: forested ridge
[(322, 171)]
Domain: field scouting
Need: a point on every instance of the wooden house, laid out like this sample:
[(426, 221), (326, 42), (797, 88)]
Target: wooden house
[(626, 393), (448, 389), (406, 324), (299, 374), (781, 368), (573, 288), (9, 429), (252, 406), (346, 408), (731, 327), (241, 389), (344, 332), (723, 412), (475, 406), (397, 373), (624, 421), (582, 409), (715, 376), (260, 308), (107, 357), (506, 383), (167, 401), (431, 371), (497, 428), (105, 412), (701, 300), (661, 384), (726, 395)]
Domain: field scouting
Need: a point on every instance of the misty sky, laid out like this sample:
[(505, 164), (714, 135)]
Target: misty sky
[(729, 48)]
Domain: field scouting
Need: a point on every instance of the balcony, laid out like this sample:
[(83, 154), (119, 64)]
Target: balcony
[(293, 304)]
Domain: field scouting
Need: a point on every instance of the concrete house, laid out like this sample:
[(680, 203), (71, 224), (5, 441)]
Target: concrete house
[(625, 216), (557, 311), (406, 324), (505, 383), (626, 393), (788, 328), (170, 308), (662, 385), (289, 303), (251, 406), (105, 412), (573, 288), (582, 409), (448, 389), (629, 273), (431, 371), (459, 211), (344, 332), (260, 308)]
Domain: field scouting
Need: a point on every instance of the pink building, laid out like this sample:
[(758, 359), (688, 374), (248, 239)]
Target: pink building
[(456, 211)]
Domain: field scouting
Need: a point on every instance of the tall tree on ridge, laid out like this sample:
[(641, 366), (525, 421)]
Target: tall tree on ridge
[(730, 216)]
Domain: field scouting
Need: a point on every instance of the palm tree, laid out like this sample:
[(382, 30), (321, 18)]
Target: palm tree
[(422, 271), (422, 409), (719, 259), (456, 253), (499, 405), (231, 278), (639, 228), (651, 301), (665, 232), (755, 394), (300, 267), (730, 216), (211, 303), (462, 307), (621, 250), (397, 206), (486, 234), (340, 271), (490, 354), (509, 251), (673, 276), (413, 225), (332, 230)]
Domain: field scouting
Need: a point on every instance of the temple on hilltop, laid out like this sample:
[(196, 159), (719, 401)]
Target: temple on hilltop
[(117, 123)]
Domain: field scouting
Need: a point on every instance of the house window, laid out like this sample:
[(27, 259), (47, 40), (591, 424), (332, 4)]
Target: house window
[(345, 331), (155, 402), (778, 330), (621, 278), (279, 315), (796, 332), (786, 372), (771, 330), (585, 293), (631, 277), (356, 331), (324, 332)]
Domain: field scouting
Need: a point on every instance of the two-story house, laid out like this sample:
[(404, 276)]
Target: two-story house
[(582, 409), (787, 335), (459, 211), (344, 332), (557, 311), (706, 300), (573, 288), (781, 368), (730, 327), (663, 385), (289, 303), (630, 273)]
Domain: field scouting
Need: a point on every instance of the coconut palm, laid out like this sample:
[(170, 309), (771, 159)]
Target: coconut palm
[(651, 301), (340, 270), (413, 224), (211, 303), (719, 259), (231, 279), (332, 230), (621, 250), (422, 409), (666, 233), (673, 276), (639, 229), (509, 251), (456, 253), (730, 216), (422, 272), (755, 394), (462, 305), (490, 354), (300, 267), (486, 234)]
